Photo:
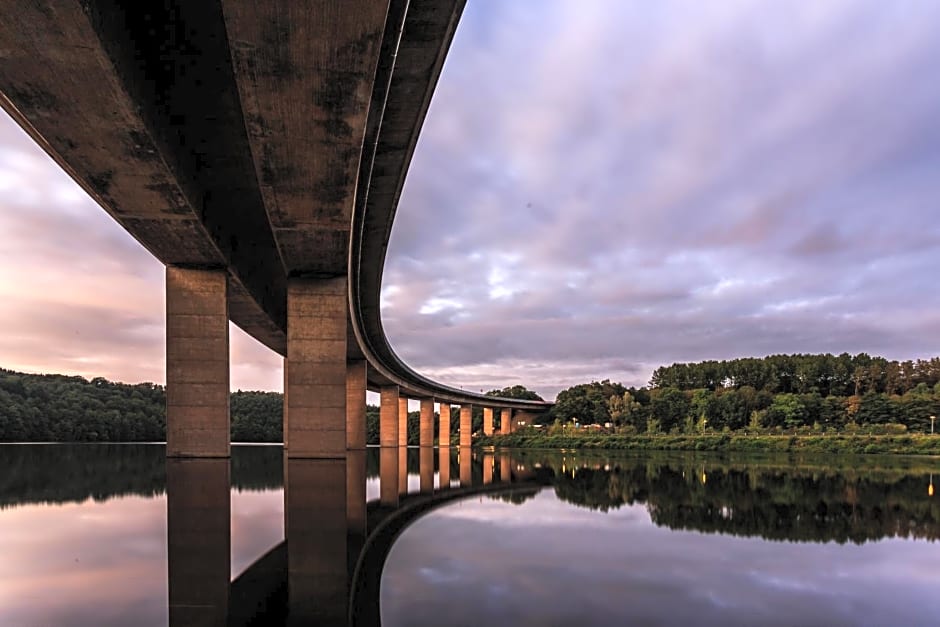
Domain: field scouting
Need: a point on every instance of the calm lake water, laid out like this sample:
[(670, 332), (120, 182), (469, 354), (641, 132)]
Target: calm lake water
[(115, 535)]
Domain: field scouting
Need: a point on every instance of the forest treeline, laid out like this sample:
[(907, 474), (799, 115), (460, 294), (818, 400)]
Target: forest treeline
[(59, 408), (780, 393)]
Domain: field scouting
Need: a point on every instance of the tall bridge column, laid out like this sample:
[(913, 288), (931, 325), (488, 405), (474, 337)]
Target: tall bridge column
[(466, 424), (388, 475), (426, 431), (197, 369), (487, 421), (464, 461), (488, 463), (388, 416), (402, 421), (426, 469), (315, 368), (505, 422), (443, 437), (356, 405)]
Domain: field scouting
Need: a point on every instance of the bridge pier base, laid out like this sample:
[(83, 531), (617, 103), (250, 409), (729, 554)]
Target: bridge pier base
[(443, 436), (402, 420), (466, 425), (315, 369), (426, 429), (356, 405), (388, 416), (487, 421), (505, 422), (197, 363)]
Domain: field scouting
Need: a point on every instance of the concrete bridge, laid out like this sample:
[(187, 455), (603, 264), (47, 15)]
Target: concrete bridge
[(259, 150)]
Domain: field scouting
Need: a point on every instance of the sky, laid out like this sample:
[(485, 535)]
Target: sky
[(600, 188)]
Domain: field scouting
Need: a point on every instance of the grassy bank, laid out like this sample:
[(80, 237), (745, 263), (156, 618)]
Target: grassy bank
[(840, 444)]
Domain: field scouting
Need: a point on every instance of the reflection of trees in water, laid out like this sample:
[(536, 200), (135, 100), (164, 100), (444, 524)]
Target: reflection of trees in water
[(62, 473), (514, 497), (773, 503)]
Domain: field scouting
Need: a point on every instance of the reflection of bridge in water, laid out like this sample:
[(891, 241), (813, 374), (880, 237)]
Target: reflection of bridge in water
[(328, 569)]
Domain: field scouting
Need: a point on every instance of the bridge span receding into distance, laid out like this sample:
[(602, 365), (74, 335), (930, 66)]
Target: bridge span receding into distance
[(258, 150)]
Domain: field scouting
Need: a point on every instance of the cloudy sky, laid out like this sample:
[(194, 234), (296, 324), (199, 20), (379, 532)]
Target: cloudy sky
[(600, 188)]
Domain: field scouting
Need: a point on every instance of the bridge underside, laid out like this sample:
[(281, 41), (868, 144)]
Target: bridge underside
[(259, 151)]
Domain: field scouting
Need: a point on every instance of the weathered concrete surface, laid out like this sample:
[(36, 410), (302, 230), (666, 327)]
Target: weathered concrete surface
[(197, 369), (198, 524), (443, 436), (315, 371), (315, 527), (356, 404), (402, 421), (388, 416), (487, 421), (505, 421), (426, 423), (268, 140), (466, 425)]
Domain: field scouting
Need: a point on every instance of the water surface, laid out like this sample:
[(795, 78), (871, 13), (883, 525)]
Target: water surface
[(116, 535)]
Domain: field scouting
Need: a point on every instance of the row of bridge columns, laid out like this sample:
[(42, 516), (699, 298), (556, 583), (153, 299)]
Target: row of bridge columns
[(324, 396)]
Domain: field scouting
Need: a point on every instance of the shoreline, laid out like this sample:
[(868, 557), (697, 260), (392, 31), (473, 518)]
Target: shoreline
[(832, 444)]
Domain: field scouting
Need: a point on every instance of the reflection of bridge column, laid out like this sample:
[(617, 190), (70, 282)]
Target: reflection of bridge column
[(505, 468), (443, 435), (487, 469), (466, 422), (505, 422), (198, 513), (443, 462), (402, 470), (356, 404), (356, 491), (426, 468), (315, 527), (426, 423), (388, 416), (315, 369), (466, 478), (402, 421), (388, 475), (197, 369)]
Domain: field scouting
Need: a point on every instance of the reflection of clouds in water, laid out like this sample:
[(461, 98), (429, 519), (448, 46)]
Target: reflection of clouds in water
[(105, 563), (599, 569)]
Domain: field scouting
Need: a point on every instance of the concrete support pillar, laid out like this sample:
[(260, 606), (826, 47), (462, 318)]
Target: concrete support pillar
[(388, 416), (426, 430), (402, 421), (315, 528), (488, 462), (197, 369), (505, 468), (315, 369), (426, 469), (356, 405), (487, 421), (198, 514), (466, 469), (443, 462), (505, 422), (388, 475), (466, 422), (443, 436)]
